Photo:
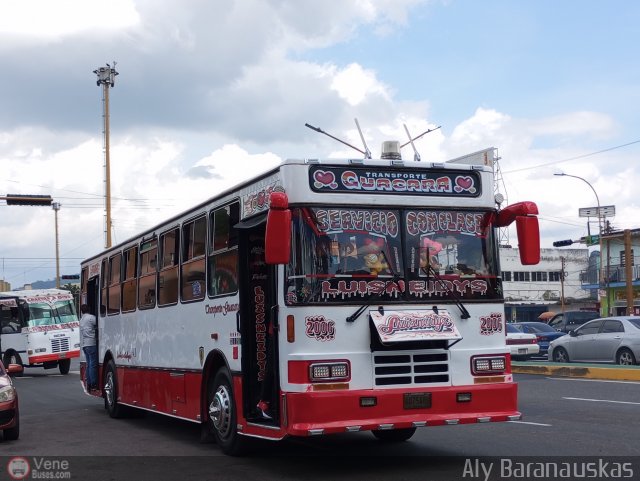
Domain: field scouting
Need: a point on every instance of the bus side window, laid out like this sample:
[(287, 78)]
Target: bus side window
[(147, 280), (192, 274), (222, 265), (168, 273), (10, 320), (113, 300), (129, 287)]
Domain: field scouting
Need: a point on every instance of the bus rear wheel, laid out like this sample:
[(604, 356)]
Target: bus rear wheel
[(110, 391), (64, 365), (394, 435), (222, 416)]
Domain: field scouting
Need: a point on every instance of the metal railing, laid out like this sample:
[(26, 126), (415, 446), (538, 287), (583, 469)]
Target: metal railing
[(612, 274)]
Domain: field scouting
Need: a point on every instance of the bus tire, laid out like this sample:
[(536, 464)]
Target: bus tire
[(110, 391), (394, 435), (12, 357), (64, 365), (222, 416)]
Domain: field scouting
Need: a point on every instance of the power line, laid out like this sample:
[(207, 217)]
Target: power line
[(572, 158)]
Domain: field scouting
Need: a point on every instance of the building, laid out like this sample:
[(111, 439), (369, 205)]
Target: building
[(4, 286), (552, 285), (613, 279)]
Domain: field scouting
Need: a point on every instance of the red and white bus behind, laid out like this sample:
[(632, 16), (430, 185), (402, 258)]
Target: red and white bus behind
[(39, 328), (339, 295)]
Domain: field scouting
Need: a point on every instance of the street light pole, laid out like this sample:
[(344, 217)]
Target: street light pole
[(599, 228), (56, 208)]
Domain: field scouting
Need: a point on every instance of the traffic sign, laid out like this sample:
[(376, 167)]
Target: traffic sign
[(605, 211)]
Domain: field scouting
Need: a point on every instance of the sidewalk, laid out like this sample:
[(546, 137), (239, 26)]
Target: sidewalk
[(587, 371)]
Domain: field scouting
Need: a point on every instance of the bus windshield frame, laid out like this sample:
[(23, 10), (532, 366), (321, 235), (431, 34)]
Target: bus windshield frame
[(348, 255), (49, 314)]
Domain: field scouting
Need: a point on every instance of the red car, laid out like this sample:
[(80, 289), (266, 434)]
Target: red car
[(9, 412)]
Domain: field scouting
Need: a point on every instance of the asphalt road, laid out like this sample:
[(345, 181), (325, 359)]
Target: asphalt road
[(562, 417)]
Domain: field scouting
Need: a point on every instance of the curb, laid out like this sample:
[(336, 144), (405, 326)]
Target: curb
[(585, 371)]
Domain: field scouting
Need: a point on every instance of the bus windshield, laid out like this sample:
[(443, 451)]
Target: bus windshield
[(45, 314), (348, 255)]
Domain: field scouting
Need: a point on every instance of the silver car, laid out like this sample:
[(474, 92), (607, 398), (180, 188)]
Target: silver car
[(612, 339)]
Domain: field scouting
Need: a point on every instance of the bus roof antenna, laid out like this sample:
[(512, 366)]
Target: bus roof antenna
[(416, 155), (319, 130), (367, 154)]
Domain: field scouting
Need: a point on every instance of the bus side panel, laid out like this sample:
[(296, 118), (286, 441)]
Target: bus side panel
[(176, 393), (15, 342)]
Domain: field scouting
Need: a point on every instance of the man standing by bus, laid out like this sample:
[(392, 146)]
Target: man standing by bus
[(88, 342)]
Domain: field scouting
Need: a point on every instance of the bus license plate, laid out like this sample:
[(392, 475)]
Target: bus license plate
[(62, 355), (417, 400)]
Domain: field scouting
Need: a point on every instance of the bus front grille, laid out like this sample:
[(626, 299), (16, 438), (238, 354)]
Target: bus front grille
[(406, 368), (60, 345)]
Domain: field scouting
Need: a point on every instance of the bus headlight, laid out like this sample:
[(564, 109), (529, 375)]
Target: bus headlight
[(488, 365), (334, 371), (7, 393)]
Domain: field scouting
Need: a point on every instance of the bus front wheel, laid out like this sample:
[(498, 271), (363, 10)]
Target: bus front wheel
[(394, 435), (222, 416), (110, 391), (64, 365)]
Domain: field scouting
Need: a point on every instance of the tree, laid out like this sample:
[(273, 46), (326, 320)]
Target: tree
[(75, 291)]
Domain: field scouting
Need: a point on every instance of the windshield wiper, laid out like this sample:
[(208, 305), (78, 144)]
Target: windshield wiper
[(464, 314), (395, 278)]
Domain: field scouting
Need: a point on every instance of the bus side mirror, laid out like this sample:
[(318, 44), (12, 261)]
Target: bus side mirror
[(524, 214), (277, 241), (528, 240)]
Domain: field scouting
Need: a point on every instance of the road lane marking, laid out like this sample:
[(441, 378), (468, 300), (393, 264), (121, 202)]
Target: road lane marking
[(532, 424), (592, 380), (599, 400)]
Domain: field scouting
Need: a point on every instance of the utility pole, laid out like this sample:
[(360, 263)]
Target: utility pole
[(56, 208), (106, 78), (628, 271), (562, 263)]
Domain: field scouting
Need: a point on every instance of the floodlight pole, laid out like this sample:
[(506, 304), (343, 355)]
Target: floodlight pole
[(106, 78)]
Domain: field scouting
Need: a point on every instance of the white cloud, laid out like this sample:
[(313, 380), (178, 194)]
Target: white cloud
[(45, 19)]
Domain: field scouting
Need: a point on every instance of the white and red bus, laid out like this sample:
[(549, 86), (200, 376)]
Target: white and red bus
[(352, 295), (39, 328)]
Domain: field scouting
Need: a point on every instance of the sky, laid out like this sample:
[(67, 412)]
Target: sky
[(210, 91)]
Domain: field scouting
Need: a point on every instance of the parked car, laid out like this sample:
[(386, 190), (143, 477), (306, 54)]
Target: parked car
[(522, 345), (611, 339), (567, 321), (9, 412), (544, 333)]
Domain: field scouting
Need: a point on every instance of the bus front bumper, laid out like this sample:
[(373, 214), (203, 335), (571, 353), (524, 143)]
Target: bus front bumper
[(314, 413)]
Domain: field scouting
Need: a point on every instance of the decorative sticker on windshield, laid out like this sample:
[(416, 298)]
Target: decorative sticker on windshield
[(48, 298), (388, 181), (383, 222), (424, 221), (52, 327), (403, 326)]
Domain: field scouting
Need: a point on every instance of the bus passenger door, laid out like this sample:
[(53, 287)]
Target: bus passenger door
[(258, 313), (92, 300)]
